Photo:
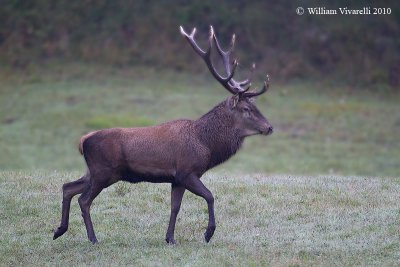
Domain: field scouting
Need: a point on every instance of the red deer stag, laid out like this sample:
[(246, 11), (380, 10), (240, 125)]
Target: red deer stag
[(177, 152)]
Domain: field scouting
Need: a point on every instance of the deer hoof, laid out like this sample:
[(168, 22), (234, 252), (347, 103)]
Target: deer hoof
[(59, 232), (170, 241), (207, 236), (209, 233)]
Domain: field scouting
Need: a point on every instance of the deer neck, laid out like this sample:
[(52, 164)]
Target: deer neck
[(217, 131)]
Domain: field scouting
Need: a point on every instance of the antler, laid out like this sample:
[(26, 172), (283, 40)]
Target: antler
[(233, 86)]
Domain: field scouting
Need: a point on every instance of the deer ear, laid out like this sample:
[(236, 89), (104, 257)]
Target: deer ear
[(232, 102)]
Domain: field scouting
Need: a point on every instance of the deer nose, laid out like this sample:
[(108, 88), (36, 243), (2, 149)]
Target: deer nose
[(270, 130)]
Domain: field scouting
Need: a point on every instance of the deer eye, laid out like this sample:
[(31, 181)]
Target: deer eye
[(246, 112)]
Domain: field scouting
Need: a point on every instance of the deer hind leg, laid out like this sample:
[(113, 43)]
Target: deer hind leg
[(69, 191), (85, 201)]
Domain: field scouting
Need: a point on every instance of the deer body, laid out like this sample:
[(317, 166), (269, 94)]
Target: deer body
[(155, 154), (177, 152)]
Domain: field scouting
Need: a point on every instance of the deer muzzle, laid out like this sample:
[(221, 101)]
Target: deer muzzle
[(267, 130)]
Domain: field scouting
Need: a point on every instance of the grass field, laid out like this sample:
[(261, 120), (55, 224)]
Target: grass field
[(324, 189), (261, 220), (318, 129)]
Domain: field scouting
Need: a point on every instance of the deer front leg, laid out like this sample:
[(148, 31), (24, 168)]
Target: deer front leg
[(176, 200), (194, 185)]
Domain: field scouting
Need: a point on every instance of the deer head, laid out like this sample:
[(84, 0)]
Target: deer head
[(248, 118)]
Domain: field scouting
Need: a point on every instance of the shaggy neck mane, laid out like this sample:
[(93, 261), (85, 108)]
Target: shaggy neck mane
[(217, 132)]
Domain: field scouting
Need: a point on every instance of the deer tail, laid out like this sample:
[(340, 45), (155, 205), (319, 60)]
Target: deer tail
[(82, 140)]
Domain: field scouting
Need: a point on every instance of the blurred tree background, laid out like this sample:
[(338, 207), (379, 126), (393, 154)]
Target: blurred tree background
[(360, 50)]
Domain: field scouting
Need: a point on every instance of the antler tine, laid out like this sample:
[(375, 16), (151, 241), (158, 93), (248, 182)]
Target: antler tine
[(232, 43), (248, 80), (230, 76), (219, 49), (190, 38), (206, 56), (247, 89), (224, 54), (263, 90)]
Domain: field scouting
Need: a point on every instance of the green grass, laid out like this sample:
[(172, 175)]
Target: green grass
[(322, 190), (262, 220), (319, 129), (107, 121)]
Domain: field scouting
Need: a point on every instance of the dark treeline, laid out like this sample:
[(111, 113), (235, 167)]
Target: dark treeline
[(362, 50)]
